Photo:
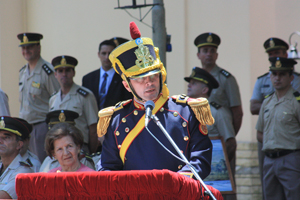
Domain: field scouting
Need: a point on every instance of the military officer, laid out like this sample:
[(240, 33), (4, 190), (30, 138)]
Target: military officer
[(227, 94), (65, 116), (75, 98), (12, 132), (274, 47), (127, 144), (201, 83), (278, 127), (36, 84)]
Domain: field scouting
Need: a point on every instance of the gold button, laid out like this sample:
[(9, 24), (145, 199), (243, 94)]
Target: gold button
[(119, 146), (180, 166), (135, 112), (124, 120), (162, 110), (184, 124), (117, 133), (175, 114), (126, 129), (186, 138)]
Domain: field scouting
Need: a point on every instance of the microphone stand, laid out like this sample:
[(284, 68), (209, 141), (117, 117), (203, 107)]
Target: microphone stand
[(156, 120)]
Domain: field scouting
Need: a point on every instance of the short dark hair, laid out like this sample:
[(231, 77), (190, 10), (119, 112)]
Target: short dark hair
[(59, 131), (107, 42)]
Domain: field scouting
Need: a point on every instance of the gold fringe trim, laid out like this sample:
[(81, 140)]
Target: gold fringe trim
[(201, 108), (104, 119)]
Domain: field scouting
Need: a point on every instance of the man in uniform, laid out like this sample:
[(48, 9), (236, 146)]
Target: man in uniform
[(12, 132), (201, 84), (274, 47), (128, 145), (36, 84), (65, 116), (75, 98), (4, 108), (108, 89), (227, 94), (278, 127)]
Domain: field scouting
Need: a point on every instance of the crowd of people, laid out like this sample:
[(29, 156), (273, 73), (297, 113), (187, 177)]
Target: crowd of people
[(101, 125)]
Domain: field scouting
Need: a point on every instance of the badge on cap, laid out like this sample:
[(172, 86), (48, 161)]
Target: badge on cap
[(63, 61), (2, 123), (144, 58), (62, 117), (25, 39), (278, 64), (193, 73), (209, 39), (272, 43)]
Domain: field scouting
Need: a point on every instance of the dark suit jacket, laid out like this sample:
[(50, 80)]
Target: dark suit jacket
[(116, 91)]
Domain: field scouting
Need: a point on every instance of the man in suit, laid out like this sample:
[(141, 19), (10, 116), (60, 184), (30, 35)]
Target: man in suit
[(108, 90)]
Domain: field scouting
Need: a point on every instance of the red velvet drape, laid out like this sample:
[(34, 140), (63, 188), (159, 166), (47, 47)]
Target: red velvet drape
[(143, 184)]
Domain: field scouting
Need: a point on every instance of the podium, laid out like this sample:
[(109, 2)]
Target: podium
[(110, 185)]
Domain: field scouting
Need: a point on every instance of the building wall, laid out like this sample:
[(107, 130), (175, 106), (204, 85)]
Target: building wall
[(75, 27)]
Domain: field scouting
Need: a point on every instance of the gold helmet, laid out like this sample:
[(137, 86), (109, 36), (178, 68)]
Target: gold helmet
[(138, 58)]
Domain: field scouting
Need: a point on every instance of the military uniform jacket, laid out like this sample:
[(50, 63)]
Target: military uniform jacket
[(223, 122), (145, 153), (228, 93), (35, 90), (279, 121), (80, 100), (32, 160), (263, 86), (4, 108), (7, 179)]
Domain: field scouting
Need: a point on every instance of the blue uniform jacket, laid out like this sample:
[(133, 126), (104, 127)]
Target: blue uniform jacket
[(145, 153)]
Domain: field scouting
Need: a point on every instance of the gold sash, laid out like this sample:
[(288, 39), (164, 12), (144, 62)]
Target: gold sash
[(138, 128)]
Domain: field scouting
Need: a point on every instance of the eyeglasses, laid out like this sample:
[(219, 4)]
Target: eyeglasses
[(152, 78)]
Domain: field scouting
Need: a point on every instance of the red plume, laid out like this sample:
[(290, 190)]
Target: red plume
[(134, 31)]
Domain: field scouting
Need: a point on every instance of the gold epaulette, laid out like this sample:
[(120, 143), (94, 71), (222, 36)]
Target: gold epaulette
[(104, 119), (105, 116), (201, 109), (180, 98)]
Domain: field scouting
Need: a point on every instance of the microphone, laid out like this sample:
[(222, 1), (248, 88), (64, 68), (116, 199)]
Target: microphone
[(149, 105)]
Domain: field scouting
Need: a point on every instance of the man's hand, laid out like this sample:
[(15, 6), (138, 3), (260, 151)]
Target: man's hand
[(255, 106)]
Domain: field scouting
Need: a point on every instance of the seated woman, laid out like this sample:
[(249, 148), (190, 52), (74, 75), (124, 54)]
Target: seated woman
[(63, 142)]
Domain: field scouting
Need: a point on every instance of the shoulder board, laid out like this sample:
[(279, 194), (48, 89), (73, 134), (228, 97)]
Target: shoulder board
[(296, 73), (104, 119), (82, 92), (54, 93), (201, 110), (29, 162), (263, 75), (297, 95), (180, 98), (23, 163), (121, 104), (269, 95), (47, 69), (215, 105), (225, 73), (22, 68)]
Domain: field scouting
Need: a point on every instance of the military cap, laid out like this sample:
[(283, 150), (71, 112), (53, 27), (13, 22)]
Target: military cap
[(16, 125), (278, 63), (64, 61), (57, 116), (27, 39), (138, 58), (203, 76), (207, 39), (119, 40), (275, 43)]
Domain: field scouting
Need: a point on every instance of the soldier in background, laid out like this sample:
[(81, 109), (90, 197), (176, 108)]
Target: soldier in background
[(36, 84), (227, 94), (76, 98), (4, 108), (12, 132)]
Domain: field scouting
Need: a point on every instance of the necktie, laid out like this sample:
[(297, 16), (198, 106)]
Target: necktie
[(102, 92)]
